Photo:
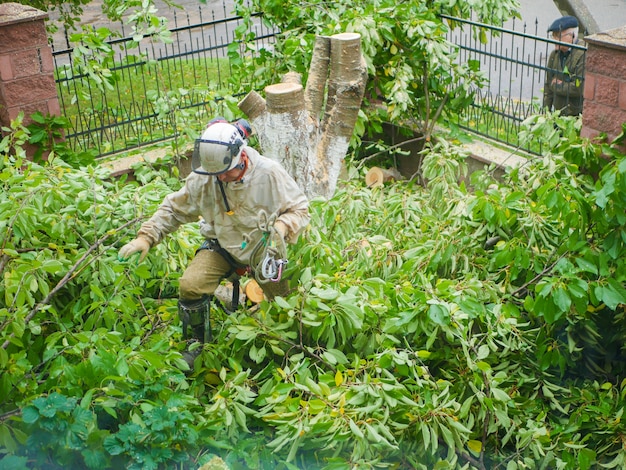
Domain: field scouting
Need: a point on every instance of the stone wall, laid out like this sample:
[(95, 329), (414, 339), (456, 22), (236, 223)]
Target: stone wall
[(604, 109), (26, 65)]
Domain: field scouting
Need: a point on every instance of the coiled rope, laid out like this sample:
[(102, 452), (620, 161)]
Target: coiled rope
[(272, 256)]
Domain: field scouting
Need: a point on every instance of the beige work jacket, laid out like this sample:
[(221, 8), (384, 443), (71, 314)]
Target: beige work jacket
[(265, 192)]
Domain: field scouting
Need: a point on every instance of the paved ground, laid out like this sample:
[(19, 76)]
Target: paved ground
[(190, 12), (607, 14)]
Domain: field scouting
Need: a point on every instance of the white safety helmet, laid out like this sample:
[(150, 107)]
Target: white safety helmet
[(218, 150)]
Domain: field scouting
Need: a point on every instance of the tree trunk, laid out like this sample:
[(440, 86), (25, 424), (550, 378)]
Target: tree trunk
[(309, 130)]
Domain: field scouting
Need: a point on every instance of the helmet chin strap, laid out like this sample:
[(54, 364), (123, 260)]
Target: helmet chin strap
[(243, 166)]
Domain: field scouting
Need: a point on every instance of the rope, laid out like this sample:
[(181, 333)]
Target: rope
[(272, 257)]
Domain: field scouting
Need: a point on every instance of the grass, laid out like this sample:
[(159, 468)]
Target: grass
[(140, 102), (500, 120)]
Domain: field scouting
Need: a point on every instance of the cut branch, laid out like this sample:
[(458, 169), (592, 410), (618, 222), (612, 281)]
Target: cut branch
[(68, 276)]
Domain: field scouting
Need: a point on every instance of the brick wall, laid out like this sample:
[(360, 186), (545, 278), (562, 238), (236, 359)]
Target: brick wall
[(604, 109), (26, 65)]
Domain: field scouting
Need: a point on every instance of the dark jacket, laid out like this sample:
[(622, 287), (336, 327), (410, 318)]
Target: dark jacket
[(569, 67)]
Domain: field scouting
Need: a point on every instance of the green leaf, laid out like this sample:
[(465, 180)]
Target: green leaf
[(325, 294), (30, 414), (6, 440), (587, 266), (586, 458), (483, 351), (52, 266), (475, 446), (282, 303), (439, 314), (355, 429), (562, 299), (610, 296)]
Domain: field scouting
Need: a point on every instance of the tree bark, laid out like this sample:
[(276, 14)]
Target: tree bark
[(308, 130)]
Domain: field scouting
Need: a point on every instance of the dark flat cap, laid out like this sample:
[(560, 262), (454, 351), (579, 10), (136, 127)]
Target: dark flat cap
[(563, 23)]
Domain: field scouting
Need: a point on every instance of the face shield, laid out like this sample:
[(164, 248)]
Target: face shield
[(218, 150)]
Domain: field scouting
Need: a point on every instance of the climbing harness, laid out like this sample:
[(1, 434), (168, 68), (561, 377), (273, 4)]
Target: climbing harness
[(235, 268), (196, 314)]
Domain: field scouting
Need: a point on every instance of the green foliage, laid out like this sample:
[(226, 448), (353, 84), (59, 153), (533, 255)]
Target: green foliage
[(47, 136), (141, 14), (470, 323), (69, 12), (160, 434), (55, 422), (62, 296)]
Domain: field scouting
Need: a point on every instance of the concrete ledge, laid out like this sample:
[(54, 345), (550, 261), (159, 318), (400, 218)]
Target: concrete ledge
[(13, 13), (124, 165), (481, 153), (488, 154)]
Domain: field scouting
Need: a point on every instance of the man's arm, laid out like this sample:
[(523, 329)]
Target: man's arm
[(293, 215), (571, 84), (175, 210)]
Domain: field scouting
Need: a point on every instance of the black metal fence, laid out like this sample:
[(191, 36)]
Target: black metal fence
[(515, 65), (157, 88), (161, 88)]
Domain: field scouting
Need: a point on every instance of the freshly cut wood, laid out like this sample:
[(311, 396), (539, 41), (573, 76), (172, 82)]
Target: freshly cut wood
[(253, 291), (224, 293), (376, 176)]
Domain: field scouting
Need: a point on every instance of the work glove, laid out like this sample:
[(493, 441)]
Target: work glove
[(139, 244), (281, 230), (277, 243)]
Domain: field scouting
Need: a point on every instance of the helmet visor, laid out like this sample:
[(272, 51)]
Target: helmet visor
[(211, 157)]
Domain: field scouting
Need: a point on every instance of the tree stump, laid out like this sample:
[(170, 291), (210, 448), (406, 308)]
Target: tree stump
[(308, 129)]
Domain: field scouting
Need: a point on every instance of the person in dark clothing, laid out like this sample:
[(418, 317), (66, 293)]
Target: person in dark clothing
[(563, 88)]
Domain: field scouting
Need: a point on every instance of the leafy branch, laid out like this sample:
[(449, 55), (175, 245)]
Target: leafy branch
[(68, 277)]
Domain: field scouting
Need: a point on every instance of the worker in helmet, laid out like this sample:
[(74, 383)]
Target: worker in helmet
[(249, 207), (563, 87)]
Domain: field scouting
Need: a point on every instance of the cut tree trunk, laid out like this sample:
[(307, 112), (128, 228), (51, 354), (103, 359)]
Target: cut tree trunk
[(378, 176), (254, 292), (308, 130)]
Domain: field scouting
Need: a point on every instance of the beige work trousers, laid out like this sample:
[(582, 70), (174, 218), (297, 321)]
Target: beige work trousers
[(205, 272)]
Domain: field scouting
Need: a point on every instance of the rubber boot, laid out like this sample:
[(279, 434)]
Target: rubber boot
[(196, 319)]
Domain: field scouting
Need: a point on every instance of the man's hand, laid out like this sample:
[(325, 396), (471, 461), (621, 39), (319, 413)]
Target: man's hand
[(139, 244), (281, 229), (278, 239)]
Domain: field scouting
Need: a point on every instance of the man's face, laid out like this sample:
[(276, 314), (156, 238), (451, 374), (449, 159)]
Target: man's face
[(235, 174), (563, 36), (230, 175)]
